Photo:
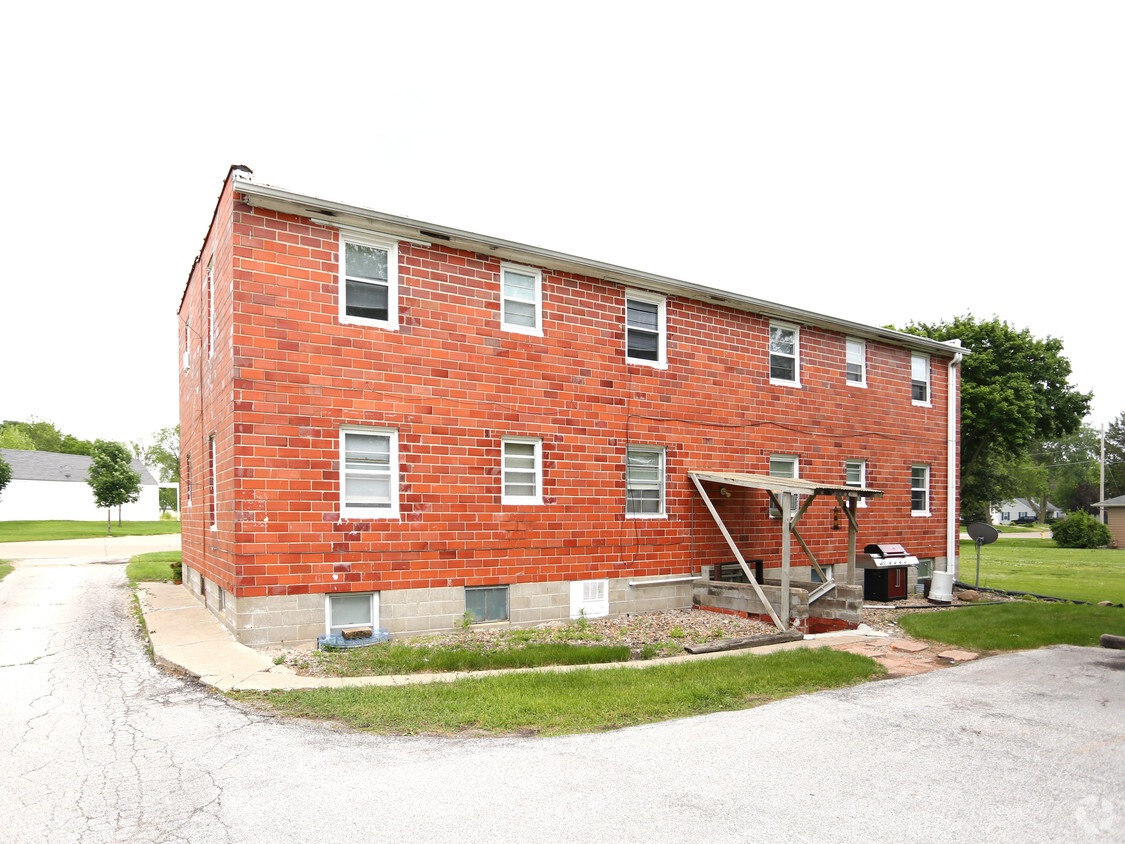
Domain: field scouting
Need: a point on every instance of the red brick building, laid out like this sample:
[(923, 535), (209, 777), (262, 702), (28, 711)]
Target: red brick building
[(390, 422)]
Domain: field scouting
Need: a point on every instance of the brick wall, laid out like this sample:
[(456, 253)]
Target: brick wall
[(286, 375)]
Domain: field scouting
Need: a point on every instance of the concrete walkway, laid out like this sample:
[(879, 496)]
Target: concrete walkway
[(101, 550), (186, 636)]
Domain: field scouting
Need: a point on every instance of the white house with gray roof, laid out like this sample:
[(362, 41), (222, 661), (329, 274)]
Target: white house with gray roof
[(49, 485)]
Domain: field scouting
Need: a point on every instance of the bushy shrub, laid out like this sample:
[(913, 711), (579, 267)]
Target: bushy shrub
[(1080, 530)]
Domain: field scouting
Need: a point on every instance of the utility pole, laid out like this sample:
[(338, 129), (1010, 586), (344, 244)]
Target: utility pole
[(1101, 490)]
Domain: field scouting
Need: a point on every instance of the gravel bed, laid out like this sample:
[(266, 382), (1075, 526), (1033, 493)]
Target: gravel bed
[(667, 632)]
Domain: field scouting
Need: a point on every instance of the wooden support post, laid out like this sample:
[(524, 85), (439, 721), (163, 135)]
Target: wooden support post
[(738, 556), (853, 529), (786, 498)]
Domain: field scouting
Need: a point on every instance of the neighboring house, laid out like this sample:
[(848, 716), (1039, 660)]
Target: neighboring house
[(392, 423), (1007, 512), (49, 485), (1114, 509)]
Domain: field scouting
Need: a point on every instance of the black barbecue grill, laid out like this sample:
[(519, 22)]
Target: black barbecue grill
[(884, 576)]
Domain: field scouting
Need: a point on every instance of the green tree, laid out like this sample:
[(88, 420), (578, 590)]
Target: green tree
[(17, 438), (1015, 389), (1053, 470), (162, 453), (112, 478), (5, 474), (168, 499), (38, 435), (1115, 457)]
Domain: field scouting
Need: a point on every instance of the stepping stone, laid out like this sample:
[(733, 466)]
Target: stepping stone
[(909, 647), (957, 656)]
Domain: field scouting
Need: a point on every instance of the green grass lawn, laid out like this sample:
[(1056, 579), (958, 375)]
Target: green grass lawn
[(156, 566), (1040, 566), (1020, 625), (50, 530), (585, 700), (5, 569)]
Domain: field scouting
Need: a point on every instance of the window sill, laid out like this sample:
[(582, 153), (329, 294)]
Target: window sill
[(521, 502), (921, 403), (646, 516), (776, 383), (921, 513), (651, 364), (860, 384), (369, 323), (525, 331)]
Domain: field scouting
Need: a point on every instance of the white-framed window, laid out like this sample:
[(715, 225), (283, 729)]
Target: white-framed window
[(187, 480), (522, 459), (785, 466), (212, 504), (350, 609), (486, 603), (920, 379), (785, 354), (855, 365), (187, 343), (369, 473), (829, 571), (210, 295), (920, 489), (855, 474), (644, 482), (646, 330), (368, 280), (589, 598), (521, 299)]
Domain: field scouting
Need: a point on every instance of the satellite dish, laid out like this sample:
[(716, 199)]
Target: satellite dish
[(982, 533)]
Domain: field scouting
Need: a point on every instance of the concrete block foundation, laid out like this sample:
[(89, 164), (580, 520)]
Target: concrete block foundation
[(297, 620)]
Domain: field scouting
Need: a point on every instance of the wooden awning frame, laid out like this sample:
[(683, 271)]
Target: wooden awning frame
[(781, 492)]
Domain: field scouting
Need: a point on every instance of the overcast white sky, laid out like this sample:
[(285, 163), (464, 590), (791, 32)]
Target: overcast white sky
[(883, 162)]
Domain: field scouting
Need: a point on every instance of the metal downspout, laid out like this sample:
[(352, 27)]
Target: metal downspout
[(951, 532)]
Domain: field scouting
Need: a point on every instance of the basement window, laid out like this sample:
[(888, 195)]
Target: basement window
[(589, 598), (350, 609), (486, 603), (369, 281)]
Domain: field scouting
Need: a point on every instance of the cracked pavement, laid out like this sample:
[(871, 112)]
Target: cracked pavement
[(97, 744)]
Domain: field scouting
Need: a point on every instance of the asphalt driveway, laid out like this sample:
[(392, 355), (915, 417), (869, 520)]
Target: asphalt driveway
[(99, 745)]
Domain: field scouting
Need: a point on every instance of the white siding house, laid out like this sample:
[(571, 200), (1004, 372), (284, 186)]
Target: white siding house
[(48, 485)]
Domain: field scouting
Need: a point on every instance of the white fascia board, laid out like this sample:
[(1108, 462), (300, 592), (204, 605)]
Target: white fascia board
[(277, 199)]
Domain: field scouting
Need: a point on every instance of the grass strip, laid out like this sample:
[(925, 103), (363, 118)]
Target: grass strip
[(584, 700), (408, 659), (155, 566), (1018, 626), (6, 568), (1040, 566), (40, 531)]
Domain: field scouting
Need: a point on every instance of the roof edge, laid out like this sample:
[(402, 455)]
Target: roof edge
[(301, 205)]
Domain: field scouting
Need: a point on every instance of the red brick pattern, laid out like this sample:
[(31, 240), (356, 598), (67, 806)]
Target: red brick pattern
[(286, 375)]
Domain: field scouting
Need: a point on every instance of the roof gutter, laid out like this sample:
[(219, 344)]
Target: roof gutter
[(339, 214)]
